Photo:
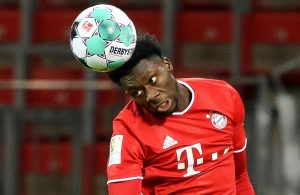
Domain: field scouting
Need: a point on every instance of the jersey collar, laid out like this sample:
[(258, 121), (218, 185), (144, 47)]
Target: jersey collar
[(192, 98)]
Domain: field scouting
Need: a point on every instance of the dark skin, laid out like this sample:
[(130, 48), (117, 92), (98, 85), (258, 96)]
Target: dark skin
[(152, 85)]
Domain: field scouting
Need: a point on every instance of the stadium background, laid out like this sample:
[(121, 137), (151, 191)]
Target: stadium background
[(55, 116)]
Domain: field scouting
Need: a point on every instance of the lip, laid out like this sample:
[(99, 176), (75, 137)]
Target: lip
[(163, 106)]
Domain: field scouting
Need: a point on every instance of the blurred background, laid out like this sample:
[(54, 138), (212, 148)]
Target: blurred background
[(55, 115)]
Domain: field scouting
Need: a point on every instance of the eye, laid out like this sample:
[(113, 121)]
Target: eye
[(137, 93), (152, 80)]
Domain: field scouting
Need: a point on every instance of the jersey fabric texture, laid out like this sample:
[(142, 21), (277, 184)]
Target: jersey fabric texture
[(189, 152)]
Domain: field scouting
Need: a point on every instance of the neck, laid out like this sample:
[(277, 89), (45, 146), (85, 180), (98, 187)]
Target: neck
[(184, 97)]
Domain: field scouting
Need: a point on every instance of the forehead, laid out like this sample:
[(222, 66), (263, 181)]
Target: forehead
[(141, 72)]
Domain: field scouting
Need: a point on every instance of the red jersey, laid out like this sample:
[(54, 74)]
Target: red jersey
[(189, 152)]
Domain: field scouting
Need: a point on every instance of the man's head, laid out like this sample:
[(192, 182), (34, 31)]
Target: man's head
[(147, 46), (147, 77)]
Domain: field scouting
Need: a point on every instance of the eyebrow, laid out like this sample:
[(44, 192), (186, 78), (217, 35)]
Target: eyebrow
[(132, 88), (129, 91), (129, 86), (125, 80)]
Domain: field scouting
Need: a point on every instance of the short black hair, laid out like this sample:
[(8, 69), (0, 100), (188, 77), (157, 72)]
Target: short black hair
[(147, 46)]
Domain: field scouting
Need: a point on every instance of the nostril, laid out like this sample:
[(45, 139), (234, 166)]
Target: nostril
[(152, 95)]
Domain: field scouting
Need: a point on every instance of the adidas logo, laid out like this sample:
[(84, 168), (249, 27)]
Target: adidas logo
[(169, 142)]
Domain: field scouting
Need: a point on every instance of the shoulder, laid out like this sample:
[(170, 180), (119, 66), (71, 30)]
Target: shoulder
[(128, 113), (204, 81), (130, 117), (212, 94), (212, 85)]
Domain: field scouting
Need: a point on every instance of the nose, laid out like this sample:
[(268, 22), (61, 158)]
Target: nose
[(152, 93)]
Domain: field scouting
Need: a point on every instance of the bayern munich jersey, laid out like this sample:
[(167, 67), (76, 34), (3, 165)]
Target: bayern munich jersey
[(189, 152)]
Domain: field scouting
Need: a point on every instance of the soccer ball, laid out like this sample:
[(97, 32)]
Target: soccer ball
[(102, 37)]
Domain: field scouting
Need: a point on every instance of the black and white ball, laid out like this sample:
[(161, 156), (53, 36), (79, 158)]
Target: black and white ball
[(102, 37)]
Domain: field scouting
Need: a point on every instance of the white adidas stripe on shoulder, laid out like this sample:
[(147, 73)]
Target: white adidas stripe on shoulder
[(241, 150), (124, 179)]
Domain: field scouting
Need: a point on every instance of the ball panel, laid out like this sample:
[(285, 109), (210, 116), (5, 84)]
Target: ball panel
[(87, 27), (126, 35), (116, 51), (120, 16), (101, 13), (96, 63), (109, 30), (95, 45), (115, 64), (78, 48), (73, 32)]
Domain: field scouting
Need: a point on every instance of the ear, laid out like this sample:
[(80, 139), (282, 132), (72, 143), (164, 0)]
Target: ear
[(168, 64)]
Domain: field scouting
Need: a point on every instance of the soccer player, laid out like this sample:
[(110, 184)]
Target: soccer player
[(176, 136)]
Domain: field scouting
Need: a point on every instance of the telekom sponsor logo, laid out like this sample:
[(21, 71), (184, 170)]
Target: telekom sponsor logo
[(191, 162), (190, 159)]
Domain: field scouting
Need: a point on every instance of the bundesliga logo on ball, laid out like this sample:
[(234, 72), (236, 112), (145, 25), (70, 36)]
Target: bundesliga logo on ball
[(102, 37)]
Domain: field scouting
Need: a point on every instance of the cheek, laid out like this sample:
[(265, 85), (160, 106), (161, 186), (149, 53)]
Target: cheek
[(139, 101), (169, 82), (172, 87)]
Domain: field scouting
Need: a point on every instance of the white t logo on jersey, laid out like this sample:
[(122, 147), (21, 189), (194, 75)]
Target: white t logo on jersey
[(190, 159)]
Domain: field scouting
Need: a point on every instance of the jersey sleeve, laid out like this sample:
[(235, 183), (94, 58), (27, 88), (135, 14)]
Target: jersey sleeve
[(243, 184), (131, 187), (239, 135), (125, 158)]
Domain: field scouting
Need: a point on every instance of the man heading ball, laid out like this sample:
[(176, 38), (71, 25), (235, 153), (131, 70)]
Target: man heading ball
[(176, 136)]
